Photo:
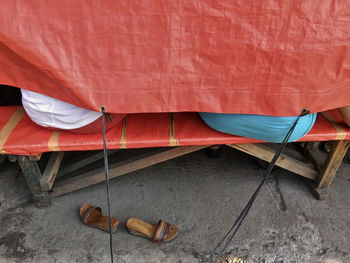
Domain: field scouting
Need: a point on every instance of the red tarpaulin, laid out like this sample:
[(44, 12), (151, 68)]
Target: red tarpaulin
[(261, 57)]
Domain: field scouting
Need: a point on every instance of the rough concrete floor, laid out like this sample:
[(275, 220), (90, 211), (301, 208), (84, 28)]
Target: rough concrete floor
[(202, 196)]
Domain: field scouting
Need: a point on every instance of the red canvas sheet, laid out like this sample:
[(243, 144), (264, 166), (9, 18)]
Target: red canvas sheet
[(137, 131), (270, 57)]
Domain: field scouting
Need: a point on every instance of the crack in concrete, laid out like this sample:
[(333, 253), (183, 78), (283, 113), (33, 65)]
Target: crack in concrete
[(282, 202), (276, 192)]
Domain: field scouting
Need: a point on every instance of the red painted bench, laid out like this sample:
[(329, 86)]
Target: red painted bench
[(24, 141)]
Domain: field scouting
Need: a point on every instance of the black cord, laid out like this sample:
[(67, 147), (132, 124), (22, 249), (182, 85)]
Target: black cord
[(105, 155), (246, 209)]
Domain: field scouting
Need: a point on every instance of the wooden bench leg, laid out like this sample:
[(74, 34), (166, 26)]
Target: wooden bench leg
[(332, 163), (32, 176), (48, 177), (329, 169)]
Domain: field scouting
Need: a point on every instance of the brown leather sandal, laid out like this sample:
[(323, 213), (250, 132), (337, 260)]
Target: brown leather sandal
[(162, 232), (92, 216)]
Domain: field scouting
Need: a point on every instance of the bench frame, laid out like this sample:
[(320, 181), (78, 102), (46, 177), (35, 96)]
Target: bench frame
[(319, 173)]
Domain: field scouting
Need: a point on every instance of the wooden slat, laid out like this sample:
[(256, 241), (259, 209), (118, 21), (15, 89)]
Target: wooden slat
[(9, 127), (50, 171), (35, 157), (314, 155), (312, 145), (83, 162), (262, 152), (12, 158), (97, 176)]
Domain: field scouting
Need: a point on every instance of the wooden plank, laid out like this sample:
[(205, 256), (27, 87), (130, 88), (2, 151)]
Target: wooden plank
[(312, 145), (332, 163), (289, 151), (12, 158), (97, 176), (85, 161), (50, 171), (32, 174), (284, 161), (315, 156), (35, 157)]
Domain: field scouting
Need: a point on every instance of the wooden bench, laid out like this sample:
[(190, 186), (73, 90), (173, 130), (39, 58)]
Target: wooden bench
[(176, 134)]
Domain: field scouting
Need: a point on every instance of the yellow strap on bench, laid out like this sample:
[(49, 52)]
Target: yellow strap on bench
[(341, 133), (53, 141), (9, 126), (172, 139), (123, 137)]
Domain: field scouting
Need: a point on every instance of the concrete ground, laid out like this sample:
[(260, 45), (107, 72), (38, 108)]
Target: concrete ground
[(202, 196)]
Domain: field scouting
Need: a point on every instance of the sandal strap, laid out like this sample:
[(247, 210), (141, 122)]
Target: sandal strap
[(87, 213), (161, 232)]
